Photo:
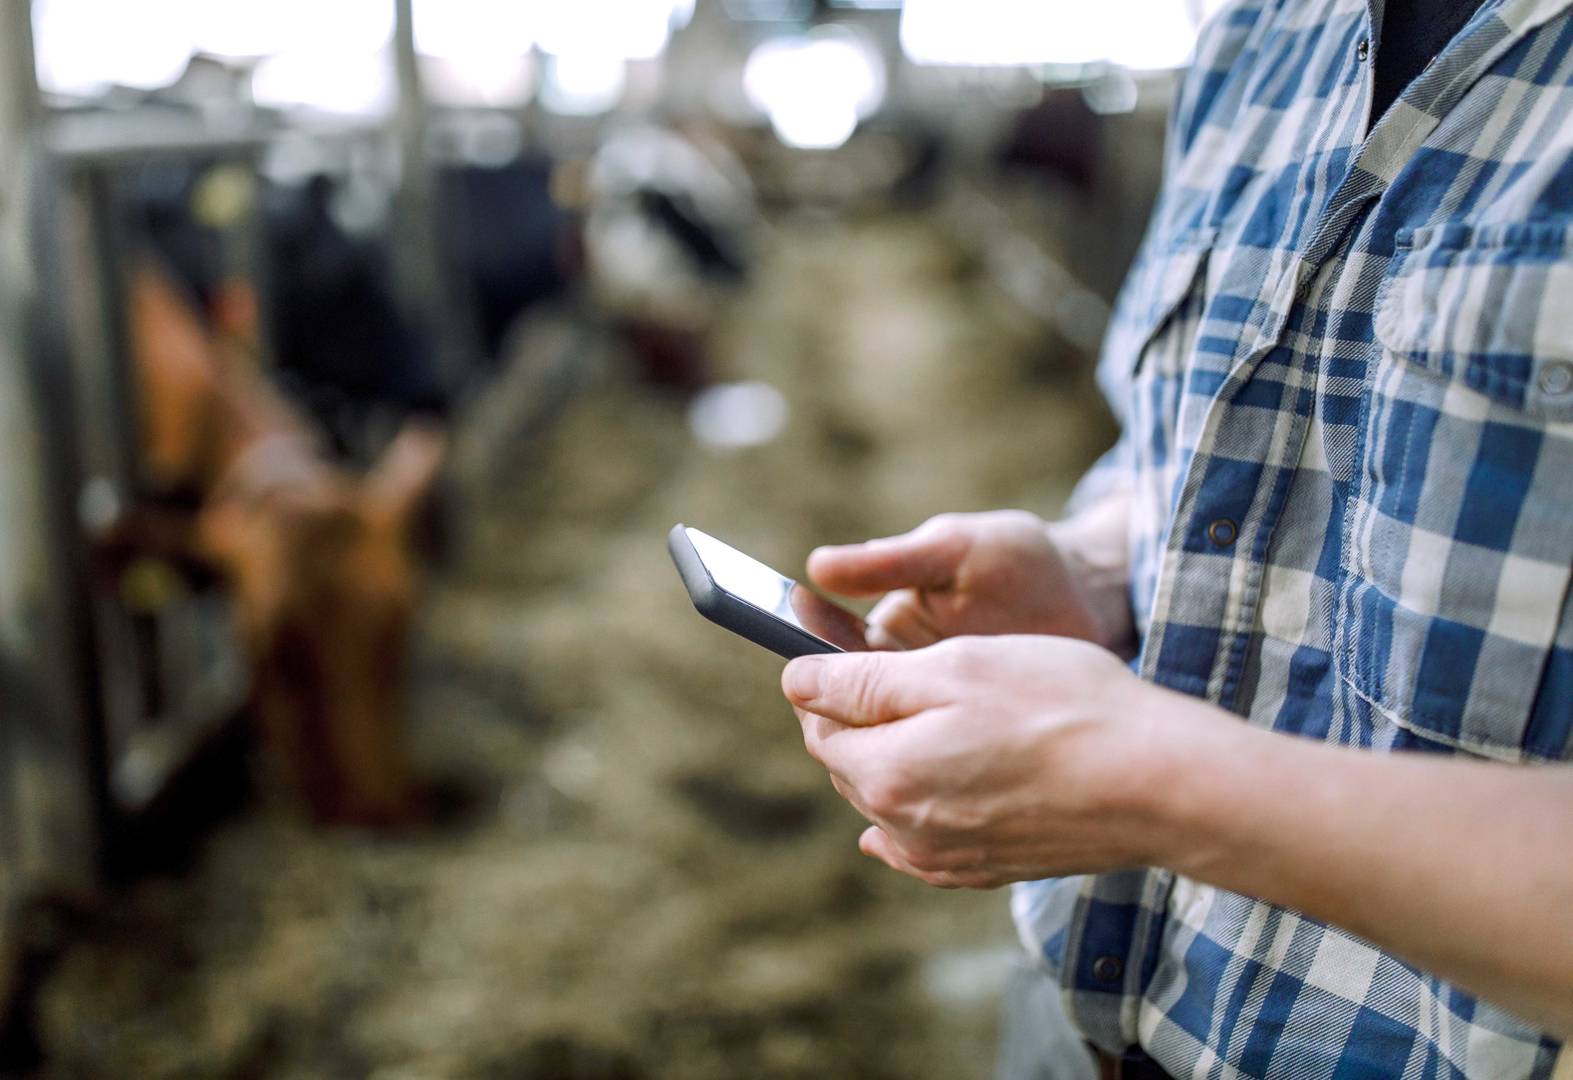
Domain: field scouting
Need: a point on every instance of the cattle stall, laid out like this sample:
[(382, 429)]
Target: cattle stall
[(168, 672), (51, 791), (116, 675)]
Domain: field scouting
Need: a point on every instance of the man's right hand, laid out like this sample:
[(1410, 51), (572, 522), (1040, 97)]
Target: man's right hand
[(1003, 572)]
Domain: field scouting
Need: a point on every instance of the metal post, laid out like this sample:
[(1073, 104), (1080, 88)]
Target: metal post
[(414, 230), (19, 104), (417, 232), (413, 115), (19, 113), (15, 122), (49, 814)]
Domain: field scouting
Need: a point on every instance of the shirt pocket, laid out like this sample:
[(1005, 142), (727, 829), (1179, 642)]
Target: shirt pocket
[(1146, 362), (1458, 535), (1150, 333), (1150, 340)]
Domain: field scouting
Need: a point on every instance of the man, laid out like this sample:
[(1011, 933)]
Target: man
[(1341, 511)]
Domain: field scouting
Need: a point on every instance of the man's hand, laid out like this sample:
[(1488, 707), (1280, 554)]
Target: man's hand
[(1004, 572), (982, 761)]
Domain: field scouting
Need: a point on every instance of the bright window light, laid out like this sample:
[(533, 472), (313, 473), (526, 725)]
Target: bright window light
[(347, 84), (333, 56), (583, 84), (1139, 34), (241, 27), (479, 51), (814, 124), (626, 29), (1165, 40), (815, 87), (350, 25), (480, 80), (461, 29), (84, 46), (266, 27)]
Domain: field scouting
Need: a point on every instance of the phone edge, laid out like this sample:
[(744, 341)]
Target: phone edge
[(730, 613)]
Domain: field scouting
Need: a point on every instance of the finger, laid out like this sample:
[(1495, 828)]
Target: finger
[(865, 689), (854, 757), (876, 843), (900, 621), (925, 558), (850, 794), (818, 739), (813, 734), (824, 740), (876, 638)]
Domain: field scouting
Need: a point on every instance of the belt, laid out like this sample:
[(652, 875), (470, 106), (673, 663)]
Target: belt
[(1132, 1065)]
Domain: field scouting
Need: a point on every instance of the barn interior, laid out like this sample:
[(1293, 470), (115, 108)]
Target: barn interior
[(355, 359)]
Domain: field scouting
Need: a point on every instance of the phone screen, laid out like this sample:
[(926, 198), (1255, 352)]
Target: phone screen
[(754, 583)]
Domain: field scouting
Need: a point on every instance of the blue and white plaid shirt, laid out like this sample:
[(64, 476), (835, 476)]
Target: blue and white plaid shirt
[(1344, 363)]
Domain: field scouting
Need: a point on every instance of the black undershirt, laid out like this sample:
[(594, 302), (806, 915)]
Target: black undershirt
[(1413, 33)]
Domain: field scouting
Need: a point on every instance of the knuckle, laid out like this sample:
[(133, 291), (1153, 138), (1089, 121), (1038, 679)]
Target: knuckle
[(952, 859), (943, 525), (877, 800), (928, 859), (883, 795), (896, 604), (962, 658), (863, 685), (811, 745), (1018, 519), (971, 879)]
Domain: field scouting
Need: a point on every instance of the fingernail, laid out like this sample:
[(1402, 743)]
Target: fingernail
[(801, 678), (880, 638)]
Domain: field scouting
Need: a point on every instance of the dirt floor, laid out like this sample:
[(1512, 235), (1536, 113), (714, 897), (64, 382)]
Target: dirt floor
[(651, 879)]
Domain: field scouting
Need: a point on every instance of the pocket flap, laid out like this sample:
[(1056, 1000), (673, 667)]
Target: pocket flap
[(1491, 305), (1158, 284)]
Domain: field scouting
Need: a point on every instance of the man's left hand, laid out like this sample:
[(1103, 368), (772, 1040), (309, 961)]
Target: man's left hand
[(982, 761)]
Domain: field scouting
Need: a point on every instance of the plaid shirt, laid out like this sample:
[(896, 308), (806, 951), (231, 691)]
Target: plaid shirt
[(1344, 363)]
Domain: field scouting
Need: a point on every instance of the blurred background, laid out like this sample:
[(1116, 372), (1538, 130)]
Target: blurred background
[(355, 357)]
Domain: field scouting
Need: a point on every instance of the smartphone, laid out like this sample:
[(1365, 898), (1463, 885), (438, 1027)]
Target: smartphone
[(748, 598)]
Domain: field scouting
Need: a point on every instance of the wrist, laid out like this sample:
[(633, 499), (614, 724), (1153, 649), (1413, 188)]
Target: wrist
[(1093, 546), (1183, 782)]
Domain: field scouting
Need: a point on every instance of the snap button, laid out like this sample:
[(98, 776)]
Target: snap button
[(1223, 532), (1108, 969), (1556, 378), (1363, 50)]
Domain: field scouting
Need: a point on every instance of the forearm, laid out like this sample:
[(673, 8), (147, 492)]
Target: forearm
[(1462, 868)]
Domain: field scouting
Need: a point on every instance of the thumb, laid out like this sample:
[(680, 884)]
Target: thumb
[(865, 689), (925, 558)]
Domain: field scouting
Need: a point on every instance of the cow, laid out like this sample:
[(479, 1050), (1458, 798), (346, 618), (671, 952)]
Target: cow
[(318, 561)]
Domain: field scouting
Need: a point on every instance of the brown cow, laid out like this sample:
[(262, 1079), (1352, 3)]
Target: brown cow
[(319, 561)]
